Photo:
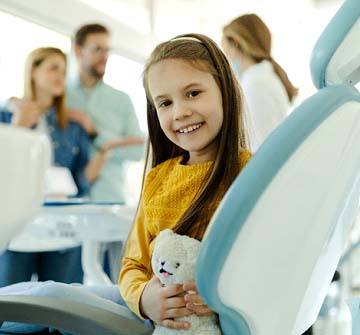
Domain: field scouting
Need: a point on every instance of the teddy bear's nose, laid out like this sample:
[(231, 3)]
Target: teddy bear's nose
[(162, 263)]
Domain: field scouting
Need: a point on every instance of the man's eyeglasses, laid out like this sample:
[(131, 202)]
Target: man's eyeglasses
[(98, 50)]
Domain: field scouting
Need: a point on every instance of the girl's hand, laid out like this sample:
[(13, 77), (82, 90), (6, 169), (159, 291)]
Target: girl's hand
[(161, 304), (194, 301)]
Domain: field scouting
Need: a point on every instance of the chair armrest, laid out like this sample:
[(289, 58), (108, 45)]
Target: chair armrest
[(69, 316)]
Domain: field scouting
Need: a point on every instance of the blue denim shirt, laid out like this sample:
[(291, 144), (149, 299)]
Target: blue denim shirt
[(70, 147)]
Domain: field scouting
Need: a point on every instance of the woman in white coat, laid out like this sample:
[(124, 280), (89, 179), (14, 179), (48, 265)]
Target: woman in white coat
[(267, 89)]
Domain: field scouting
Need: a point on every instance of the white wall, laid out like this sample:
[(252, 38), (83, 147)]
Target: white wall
[(66, 15)]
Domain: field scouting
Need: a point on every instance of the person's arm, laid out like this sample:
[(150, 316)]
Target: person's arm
[(79, 169), (130, 145), (94, 167), (123, 142), (142, 292), (26, 113), (81, 118)]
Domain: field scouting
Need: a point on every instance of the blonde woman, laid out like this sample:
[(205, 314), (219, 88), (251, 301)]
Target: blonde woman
[(267, 89), (43, 109)]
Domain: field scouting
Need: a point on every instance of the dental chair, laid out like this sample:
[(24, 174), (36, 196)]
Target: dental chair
[(277, 238), (336, 60), (273, 245), (24, 159)]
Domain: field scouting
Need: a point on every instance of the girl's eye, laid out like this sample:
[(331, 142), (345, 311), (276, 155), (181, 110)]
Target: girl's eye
[(193, 94), (164, 103)]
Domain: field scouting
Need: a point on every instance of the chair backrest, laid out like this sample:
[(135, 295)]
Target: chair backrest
[(274, 243), (336, 58), (25, 156)]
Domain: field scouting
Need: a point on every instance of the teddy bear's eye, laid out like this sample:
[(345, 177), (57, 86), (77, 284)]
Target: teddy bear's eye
[(177, 265)]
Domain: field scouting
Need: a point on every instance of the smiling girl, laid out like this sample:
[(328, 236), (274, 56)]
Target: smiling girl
[(197, 148)]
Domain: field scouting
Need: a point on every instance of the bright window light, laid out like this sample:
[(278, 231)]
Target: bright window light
[(126, 75), (121, 73), (132, 13), (22, 37)]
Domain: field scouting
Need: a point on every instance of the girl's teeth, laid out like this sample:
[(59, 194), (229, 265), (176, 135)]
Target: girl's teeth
[(190, 128)]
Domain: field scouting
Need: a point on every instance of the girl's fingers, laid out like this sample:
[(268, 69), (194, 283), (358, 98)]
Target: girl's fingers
[(201, 310), (190, 286), (171, 291), (175, 324), (177, 313), (175, 302), (193, 298)]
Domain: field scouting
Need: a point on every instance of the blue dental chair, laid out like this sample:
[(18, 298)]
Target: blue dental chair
[(294, 204), (274, 243)]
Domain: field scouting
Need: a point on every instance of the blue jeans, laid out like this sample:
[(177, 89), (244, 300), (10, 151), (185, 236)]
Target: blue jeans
[(105, 297), (61, 266)]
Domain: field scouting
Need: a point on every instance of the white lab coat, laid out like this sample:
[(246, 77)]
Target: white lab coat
[(266, 101)]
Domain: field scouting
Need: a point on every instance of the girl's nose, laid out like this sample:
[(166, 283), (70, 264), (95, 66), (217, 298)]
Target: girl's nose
[(181, 111)]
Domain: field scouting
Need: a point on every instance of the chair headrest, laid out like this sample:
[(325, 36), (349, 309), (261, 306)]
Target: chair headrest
[(336, 58), (274, 243)]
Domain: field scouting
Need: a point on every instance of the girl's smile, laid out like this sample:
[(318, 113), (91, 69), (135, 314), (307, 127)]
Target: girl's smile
[(190, 128), (188, 102)]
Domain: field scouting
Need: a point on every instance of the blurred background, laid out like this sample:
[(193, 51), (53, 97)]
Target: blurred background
[(137, 25)]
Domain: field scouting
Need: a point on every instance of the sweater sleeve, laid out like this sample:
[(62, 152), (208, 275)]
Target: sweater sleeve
[(136, 268), (245, 156)]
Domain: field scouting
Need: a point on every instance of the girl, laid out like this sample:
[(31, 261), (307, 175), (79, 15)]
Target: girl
[(197, 146), (43, 109), (267, 89)]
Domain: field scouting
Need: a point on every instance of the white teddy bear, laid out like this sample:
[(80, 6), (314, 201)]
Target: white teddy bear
[(173, 262)]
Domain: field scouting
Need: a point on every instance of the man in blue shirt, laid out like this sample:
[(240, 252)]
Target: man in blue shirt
[(105, 113), (108, 117)]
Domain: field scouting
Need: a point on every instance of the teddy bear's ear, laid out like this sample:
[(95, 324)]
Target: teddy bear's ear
[(165, 233)]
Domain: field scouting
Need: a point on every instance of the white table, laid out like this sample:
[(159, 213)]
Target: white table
[(62, 225)]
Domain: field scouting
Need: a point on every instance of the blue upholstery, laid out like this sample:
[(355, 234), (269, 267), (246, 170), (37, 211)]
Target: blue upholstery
[(354, 306), (250, 185), (326, 46), (232, 218), (331, 38)]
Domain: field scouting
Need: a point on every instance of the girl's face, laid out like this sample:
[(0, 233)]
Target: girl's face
[(189, 107), (49, 76)]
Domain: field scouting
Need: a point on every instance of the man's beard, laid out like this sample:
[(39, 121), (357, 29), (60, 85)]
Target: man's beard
[(95, 74)]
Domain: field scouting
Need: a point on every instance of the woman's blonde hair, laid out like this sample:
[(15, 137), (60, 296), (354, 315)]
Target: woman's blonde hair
[(202, 53), (250, 35), (35, 58)]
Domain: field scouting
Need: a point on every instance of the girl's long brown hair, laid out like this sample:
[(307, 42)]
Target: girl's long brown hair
[(201, 52), (250, 35), (35, 58)]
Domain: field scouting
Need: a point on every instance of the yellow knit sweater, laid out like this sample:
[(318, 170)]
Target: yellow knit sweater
[(168, 191)]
